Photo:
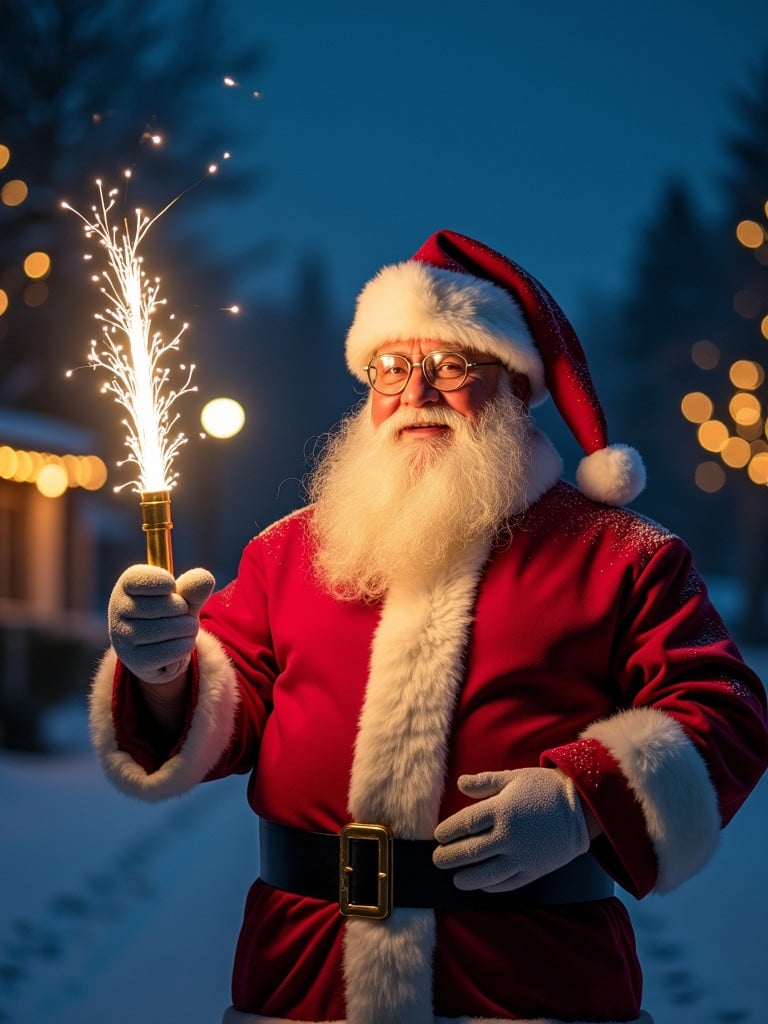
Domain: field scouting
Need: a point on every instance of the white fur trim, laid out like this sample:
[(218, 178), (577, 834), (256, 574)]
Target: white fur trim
[(414, 300), (398, 774), (388, 968), (415, 672), (613, 475), (543, 471), (669, 778), (209, 733), (233, 1016)]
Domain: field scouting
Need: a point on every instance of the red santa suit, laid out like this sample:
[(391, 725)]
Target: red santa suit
[(584, 641), (581, 640)]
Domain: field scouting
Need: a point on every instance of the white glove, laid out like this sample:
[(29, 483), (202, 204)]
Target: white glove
[(154, 619), (526, 823)]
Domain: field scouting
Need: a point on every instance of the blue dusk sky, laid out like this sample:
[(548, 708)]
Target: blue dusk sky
[(544, 129)]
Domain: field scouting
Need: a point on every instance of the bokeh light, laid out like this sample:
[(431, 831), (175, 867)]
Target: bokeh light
[(758, 469), (750, 234), (222, 417), (709, 477), (8, 460), (52, 481), (5, 156), (35, 294), (746, 374), (37, 265), (744, 409), (705, 354), (750, 431), (697, 407), (736, 453), (747, 304), (713, 435), (14, 192), (52, 474), (745, 445)]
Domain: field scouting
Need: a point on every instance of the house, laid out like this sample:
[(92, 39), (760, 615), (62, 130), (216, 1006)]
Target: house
[(60, 537)]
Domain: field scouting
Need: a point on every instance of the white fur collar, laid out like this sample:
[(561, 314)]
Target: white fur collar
[(398, 777), (544, 469)]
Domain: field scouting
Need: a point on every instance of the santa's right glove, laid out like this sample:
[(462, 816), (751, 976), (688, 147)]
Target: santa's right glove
[(154, 620)]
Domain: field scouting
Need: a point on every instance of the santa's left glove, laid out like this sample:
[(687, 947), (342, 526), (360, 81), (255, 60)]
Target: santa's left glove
[(525, 824), (154, 620)]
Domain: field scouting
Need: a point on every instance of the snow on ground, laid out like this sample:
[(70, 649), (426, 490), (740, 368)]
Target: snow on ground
[(119, 912)]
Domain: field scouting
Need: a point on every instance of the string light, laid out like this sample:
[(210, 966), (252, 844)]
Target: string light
[(740, 447)]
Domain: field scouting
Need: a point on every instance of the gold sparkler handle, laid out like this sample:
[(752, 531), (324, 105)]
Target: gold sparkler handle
[(156, 523)]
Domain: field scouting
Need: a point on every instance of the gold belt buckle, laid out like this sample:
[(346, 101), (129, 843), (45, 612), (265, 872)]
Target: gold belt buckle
[(382, 836)]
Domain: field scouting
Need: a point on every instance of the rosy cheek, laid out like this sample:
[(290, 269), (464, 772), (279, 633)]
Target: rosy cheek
[(382, 406)]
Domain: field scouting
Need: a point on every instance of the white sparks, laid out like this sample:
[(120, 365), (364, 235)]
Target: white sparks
[(131, 351), (232, 83)]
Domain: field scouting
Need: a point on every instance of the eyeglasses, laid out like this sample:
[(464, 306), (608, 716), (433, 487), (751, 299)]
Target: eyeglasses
[(389, 373)]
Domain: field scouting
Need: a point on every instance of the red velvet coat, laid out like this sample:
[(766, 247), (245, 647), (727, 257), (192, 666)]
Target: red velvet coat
[(585, 641)]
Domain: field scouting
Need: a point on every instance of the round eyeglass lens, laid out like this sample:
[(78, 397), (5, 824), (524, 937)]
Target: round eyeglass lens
[(445, 370), (388, 373)]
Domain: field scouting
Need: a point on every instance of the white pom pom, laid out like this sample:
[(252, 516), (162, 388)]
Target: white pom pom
[(613, 475)]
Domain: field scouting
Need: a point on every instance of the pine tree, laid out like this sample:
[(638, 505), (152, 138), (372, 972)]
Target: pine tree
[(744, 186), (84, 86), (672, 303)]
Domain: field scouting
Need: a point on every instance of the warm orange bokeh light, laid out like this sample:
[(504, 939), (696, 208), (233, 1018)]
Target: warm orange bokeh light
[(8, 462), (5, 156), (697, 407), (744, 409), (746, 374), (736, 453), (713, 435), (750, 234), (52, 474), (51, 481), (758, 468), (14, 192), (94, 474), (37, 265)]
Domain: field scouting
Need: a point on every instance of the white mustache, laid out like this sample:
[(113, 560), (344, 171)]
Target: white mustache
[(402, 418)]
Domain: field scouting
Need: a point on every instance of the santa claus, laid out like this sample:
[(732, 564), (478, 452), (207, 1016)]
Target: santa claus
[(470, 696)]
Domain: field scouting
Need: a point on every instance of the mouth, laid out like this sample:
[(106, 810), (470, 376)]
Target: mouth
[(425, 429)]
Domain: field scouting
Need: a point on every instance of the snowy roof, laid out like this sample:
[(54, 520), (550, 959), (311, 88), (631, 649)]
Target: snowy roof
[(18, 427)]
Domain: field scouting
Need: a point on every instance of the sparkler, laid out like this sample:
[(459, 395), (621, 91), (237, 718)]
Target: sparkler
[(131, 351)]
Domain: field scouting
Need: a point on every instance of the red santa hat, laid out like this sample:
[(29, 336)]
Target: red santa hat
[(462, 293)]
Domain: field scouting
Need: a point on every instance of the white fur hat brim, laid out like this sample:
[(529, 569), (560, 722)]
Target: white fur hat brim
[(413, 300)]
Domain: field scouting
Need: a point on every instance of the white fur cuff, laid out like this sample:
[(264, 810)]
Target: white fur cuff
[(207, 739), (669, 778)]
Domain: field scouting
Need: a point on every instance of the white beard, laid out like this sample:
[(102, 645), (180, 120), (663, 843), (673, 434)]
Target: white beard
[(387, 509)]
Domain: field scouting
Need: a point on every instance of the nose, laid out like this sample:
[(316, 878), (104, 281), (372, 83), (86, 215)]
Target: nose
[(418, 390)]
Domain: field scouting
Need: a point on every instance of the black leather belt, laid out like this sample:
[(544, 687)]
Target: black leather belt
[(367, 873)]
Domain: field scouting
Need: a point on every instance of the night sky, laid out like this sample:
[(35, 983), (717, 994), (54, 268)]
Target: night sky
[(546, 130)]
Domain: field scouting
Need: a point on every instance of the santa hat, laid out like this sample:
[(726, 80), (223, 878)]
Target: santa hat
[(461, 293)]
